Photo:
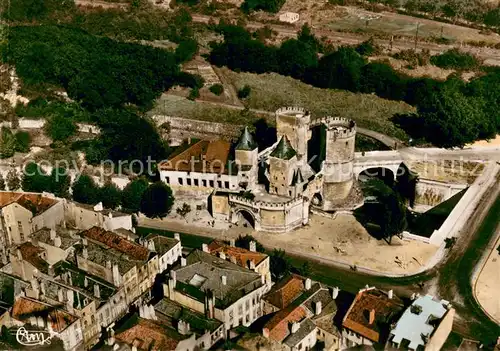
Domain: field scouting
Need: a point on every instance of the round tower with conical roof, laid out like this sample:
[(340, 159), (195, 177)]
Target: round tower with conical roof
[(246, 156), (294, 123)]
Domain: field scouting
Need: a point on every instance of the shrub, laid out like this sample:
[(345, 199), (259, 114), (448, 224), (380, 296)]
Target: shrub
[(455, 59), (244, 92), (217, 89)]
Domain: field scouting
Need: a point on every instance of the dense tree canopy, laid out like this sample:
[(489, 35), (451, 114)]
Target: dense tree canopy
[(132, 194), (85, 190), (35, 179), (110, 195), (157, 200)]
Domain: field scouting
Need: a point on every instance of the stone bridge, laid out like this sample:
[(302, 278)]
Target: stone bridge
[(390, 160)]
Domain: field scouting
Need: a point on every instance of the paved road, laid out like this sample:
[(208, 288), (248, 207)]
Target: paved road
[(492, 55)]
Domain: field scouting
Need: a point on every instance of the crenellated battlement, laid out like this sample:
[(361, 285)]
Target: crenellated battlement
[(348, 129), (265, 204), (291, 111)]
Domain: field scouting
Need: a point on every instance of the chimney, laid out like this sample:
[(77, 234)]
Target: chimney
[(57, 241), (42, 288), (317, 308), (51, 271), (265, 333), (251, 264), (85, 242), (232, 242), (295, 327), (108, 265), (222, 255), (152, 312), (86, 282), (110, 215), (151, 245), (19, 255), (390, 294), (204, 247), (233, 259), (224, 280), (97, 292), (308, 283), (116, 276), (371, 320), (35, 287), (183, 327), (85, 253), (335, 292), (173, 276), (253, 246), (52, 234), (98, 207), (183, 262), (177, 236)]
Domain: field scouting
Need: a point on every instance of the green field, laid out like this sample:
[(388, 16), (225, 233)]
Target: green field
[(271, 91)]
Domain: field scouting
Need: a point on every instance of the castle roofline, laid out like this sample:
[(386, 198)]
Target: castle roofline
[(284, 149), (246, 141)]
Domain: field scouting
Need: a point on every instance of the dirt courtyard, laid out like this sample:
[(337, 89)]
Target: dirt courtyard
[(488, 284), (342, 239)]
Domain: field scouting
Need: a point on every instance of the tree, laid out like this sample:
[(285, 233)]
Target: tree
[(8, 143), (305, 35), (340, 69), (305, 270), (244, 92), (2, 182), (186, 50), (110, 195), (60, 182), (23, 141), (157, 200), (34, 179), (184, 210), (265, 5), (60, 127), (368, 48), (217, 89), (279, 264), (132, 194), (13, 181), (382, 79), (296, 57), (85, 190), (244, 242)]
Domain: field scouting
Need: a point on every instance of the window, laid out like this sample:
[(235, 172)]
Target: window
[(289, 193), (188, 181), (219, 184), (226, 185), (196, 182), (167, 180), (204, 182), (211, 183), (20, 228), (180, 181)]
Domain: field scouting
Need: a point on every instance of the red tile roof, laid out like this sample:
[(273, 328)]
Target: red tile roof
[(215, 154), (372, 301), (279, 325), (24, 308), (243, 256), (31, 253), (285, 291), (117, 242), (148, 335), (36, 203)]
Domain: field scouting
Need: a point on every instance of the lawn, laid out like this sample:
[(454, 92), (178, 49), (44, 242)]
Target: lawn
[(424, 224), (271, 91)]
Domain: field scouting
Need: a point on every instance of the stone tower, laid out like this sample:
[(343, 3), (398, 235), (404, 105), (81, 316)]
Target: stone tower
[(338, 164), (282, 166), (246, 156), (294, 123)]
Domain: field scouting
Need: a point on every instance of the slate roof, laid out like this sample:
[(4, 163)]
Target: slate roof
[(67, 240), (306, 327), (246, 141), (31, 253), (117, 242), (285, 291), (25, 307), (386, 311), (148, 335), (279, 324), (162, 243), (243, 256), (297, 177), (284, 149), (171, 312), (100, 254), (209, 270), (322, 295)]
